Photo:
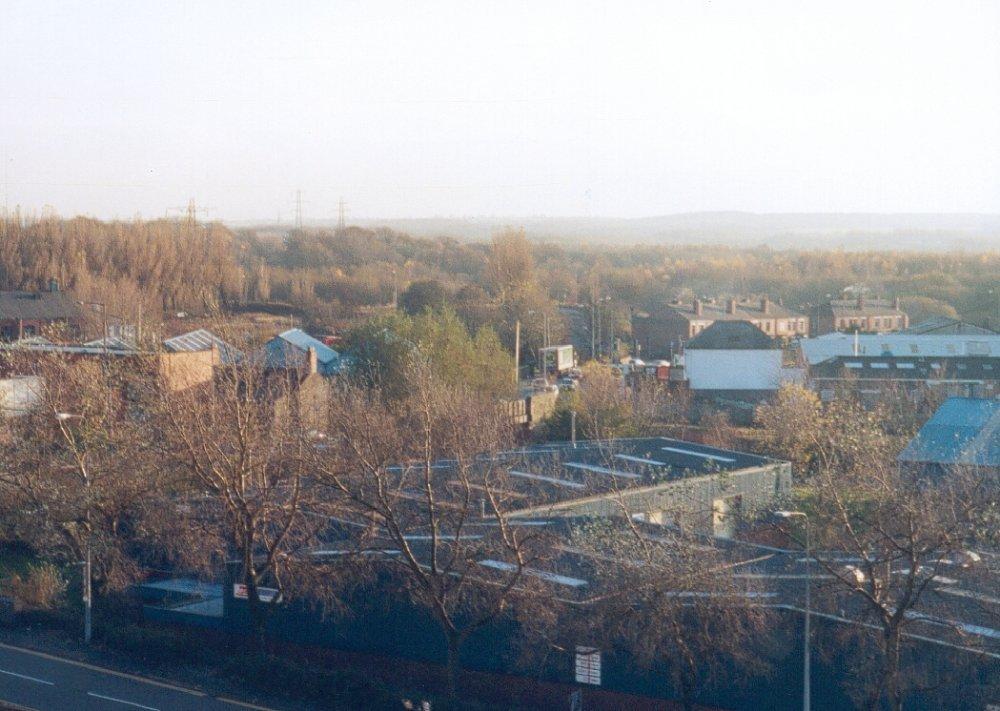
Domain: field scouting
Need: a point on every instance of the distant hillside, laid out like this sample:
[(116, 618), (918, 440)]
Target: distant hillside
[(853, 231)]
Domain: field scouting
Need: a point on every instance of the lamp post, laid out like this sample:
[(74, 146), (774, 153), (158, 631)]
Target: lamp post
[(805, 637), (62, 418)]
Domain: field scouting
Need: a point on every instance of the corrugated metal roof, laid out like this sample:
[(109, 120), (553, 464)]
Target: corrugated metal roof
[(830, 345), (203, 340), (288, 349), (962, 431)]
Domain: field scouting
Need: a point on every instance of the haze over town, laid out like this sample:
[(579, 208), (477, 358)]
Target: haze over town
[(500, 355), (502, 110)]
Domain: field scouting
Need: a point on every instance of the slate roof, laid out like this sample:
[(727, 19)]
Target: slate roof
[(38, 306), (874, 307), (732, 335), (745, 310), (963, 431), (944, 324)]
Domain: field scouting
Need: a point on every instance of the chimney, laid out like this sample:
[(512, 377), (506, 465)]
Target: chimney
[(53, 285), (312, 362), (697, 307), (895, 302), (731, 306), (765, 305)]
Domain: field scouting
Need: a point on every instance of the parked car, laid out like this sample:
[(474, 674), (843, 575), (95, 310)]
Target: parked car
[(566, 383), (542, 385)]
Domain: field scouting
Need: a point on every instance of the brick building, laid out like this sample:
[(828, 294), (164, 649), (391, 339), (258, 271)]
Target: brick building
[(661, 333), (860, 314), (24, 314)]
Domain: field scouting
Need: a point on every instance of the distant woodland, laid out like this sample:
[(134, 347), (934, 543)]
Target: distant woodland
[(332, 278)]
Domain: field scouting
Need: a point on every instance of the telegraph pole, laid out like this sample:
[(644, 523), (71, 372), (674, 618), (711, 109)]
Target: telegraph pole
[(298, 209), (341, 214)]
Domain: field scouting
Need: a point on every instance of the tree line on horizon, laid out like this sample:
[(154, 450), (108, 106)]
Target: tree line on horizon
[(335, 277)]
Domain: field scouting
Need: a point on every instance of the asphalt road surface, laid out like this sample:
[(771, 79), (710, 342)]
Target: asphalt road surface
[(33, 680)]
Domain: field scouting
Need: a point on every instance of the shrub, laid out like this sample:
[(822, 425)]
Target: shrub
[(41, 588)]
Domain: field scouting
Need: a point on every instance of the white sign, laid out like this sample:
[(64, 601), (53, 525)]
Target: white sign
[(240, 592), (588, 665)]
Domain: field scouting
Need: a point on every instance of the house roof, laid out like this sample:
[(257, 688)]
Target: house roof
[(38, 306), (287, 350), (946, 325), (745, 310), (732, 335), (875, 307), (203, 340), (303, 341), (963, 431)]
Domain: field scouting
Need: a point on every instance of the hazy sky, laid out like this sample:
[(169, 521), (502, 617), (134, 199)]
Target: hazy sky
[(474, 108)]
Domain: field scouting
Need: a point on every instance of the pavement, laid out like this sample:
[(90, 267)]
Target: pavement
[(42, 682)]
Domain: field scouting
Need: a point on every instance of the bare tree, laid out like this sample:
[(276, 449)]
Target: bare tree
[(673, 601), (422, 477), (242, 443), (77, 481), (908, 534)]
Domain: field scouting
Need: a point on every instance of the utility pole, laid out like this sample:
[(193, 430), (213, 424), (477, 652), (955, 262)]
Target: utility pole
[(593, 331), (298, 209), (341, 214), (517, 352)]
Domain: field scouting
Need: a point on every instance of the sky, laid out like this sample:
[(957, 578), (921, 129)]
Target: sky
[(515, 108)]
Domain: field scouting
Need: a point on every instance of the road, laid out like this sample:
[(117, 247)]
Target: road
[(42, 682)]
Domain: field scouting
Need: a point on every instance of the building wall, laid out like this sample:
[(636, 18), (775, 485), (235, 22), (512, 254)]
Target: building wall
[(693, 501), (733, 369), (19, 394), (185, 369)]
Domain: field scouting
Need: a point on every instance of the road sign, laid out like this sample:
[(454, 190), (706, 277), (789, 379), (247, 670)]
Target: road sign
[(588, 665), (240, 592)]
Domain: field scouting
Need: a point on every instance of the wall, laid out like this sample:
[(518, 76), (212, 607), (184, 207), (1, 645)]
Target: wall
[(185, 369), (733, 369), (689, 501), (19, 393)]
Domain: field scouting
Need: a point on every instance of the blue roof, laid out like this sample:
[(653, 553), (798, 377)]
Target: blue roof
[(964, 430), (293, 344)]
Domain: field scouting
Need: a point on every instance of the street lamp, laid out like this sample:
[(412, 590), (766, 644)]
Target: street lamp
[(805, 637), (62, 418)]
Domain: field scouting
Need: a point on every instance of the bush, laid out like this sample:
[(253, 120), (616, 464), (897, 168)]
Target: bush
[(41, 588)]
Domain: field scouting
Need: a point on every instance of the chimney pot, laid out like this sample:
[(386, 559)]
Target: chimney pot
[(313, 364)]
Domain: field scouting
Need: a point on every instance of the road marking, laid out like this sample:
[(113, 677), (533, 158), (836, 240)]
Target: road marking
[(244, 704), (121, 701), (783, 576), (29, 678), (103, 670)]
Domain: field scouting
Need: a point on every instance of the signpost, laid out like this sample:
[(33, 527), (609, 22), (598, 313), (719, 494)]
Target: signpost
[(240, 592), (588, 665)]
